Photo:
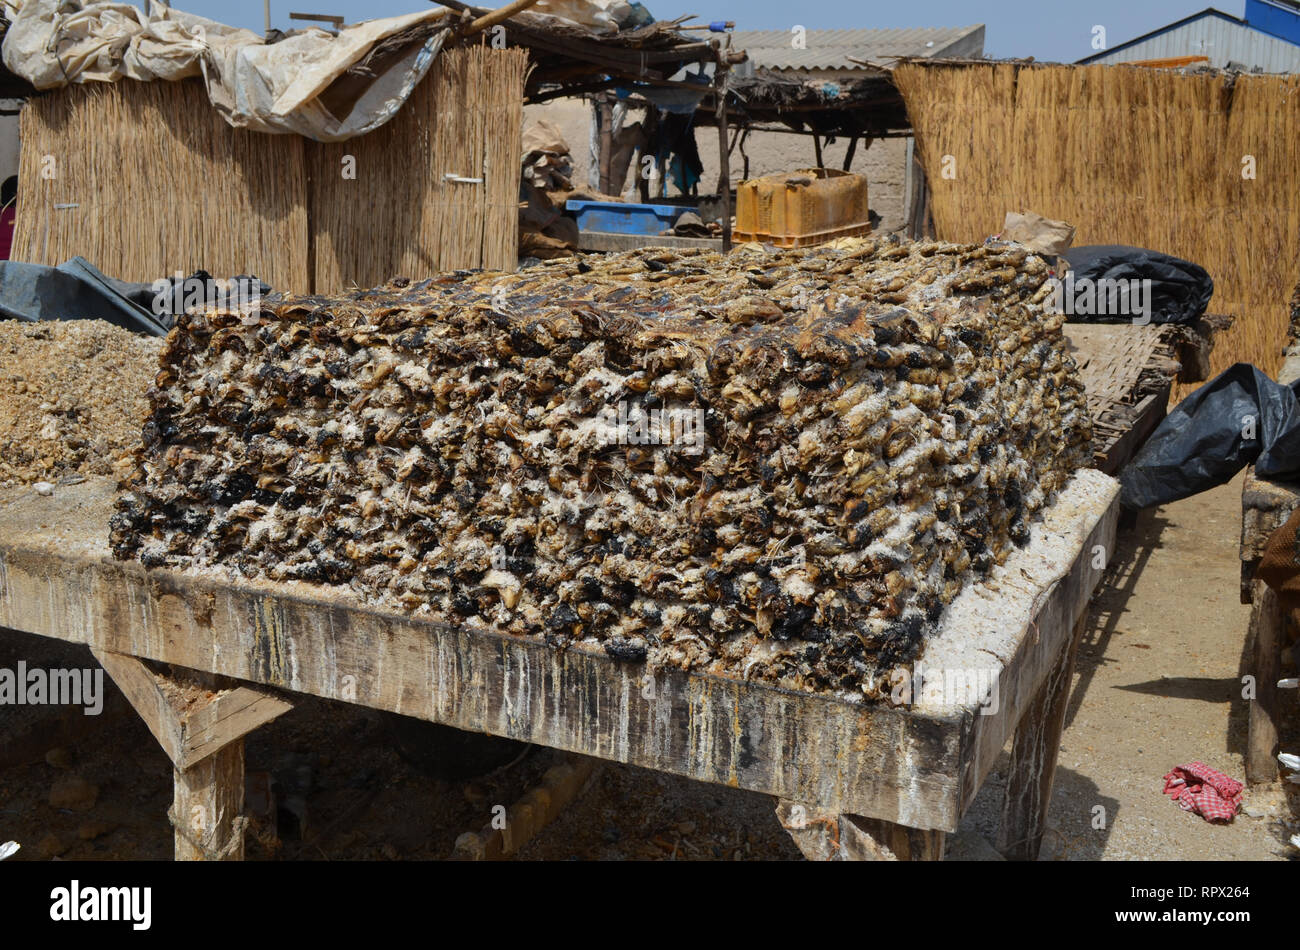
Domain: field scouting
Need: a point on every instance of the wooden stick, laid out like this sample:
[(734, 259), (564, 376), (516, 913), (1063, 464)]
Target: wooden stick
[(848, 155), (724, 155), (497, 16)]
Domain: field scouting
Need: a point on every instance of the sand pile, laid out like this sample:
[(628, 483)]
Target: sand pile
[(72, 397)]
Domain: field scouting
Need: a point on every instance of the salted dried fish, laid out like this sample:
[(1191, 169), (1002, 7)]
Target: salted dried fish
[(775, 464)]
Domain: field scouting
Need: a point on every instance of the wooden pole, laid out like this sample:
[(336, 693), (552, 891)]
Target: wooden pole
[(1267, 621), (207, 802), (817, 150), (606, 144), (1033, 759), (489, 20), (848, 156), (724, 155)]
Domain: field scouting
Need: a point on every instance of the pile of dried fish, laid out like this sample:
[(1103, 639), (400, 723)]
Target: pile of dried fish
[(778, 464)]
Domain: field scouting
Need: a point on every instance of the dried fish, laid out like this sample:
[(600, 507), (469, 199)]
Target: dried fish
[(785, 479)]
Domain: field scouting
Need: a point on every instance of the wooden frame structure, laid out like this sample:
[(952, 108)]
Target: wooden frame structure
[(855, 780)]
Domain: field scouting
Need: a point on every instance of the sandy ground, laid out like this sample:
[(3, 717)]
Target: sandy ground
[(1157, 685)]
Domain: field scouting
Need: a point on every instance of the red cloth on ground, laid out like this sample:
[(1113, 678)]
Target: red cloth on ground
[(1204, 791)]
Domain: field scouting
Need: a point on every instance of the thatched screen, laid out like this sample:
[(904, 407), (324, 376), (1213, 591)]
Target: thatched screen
[(1205, 167), (144, 179)]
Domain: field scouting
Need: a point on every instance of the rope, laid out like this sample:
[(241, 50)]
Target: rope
[(237, 828)]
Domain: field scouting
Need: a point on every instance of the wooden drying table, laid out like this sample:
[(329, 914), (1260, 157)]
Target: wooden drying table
[(1127, 374), (1265, 507), (853, 780)]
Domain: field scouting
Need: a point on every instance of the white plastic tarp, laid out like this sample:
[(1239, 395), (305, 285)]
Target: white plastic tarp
[(265, 87)]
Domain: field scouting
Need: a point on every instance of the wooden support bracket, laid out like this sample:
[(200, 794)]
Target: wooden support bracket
[(830, 837), (200, 721)]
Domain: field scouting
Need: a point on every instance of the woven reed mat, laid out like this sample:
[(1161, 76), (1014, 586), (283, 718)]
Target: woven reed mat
[(1111, 359)]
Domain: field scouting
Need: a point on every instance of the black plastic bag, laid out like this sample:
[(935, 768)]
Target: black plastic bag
[(1239, 417), (1180, 290), (76, 290)]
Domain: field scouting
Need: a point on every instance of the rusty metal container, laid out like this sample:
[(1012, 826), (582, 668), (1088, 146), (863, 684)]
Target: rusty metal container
[(802, 208)]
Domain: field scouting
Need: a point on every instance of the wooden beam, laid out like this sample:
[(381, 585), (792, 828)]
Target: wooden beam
[(541, 805), (831, 837), (1033, 759), (190, 732)]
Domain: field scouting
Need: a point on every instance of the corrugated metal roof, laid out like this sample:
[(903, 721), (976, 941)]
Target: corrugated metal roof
[(831, 49), (1213, 33)]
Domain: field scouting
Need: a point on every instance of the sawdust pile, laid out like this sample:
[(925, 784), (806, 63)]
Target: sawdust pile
[(775, 464), (72, 397)]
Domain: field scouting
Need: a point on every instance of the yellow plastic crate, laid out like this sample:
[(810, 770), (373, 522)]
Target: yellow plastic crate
[(801, 208)]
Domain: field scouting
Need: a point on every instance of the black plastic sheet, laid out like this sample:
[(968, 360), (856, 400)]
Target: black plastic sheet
[(76, 290), (1180, 290), (1239, 417)]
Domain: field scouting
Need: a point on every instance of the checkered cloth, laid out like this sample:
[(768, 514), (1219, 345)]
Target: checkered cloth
[(1204, 791)]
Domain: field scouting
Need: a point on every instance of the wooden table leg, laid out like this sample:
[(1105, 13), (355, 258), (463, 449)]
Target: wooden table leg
[(207, 807), (202, 731), (831, 837), (1033, 759), (1266, 625)]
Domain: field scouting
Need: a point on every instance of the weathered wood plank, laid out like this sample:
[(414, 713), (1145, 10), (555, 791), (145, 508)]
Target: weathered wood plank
[(207, 806), (1148, 414), (1033, 759), (825, 836), (914, 766), (539, 806), (190, 734), (1266, 625)]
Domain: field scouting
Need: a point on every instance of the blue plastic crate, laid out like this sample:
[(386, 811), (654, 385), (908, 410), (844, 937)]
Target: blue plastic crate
[(620, 218)]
